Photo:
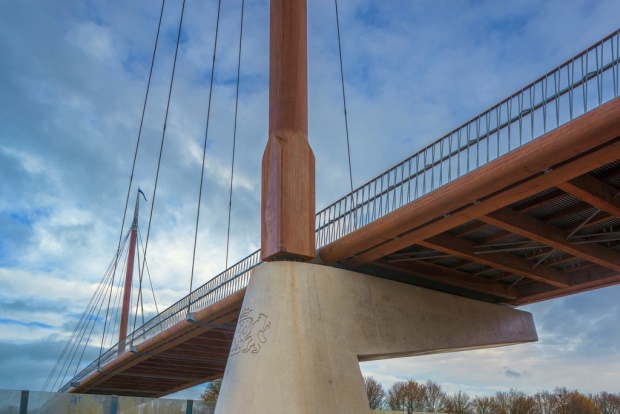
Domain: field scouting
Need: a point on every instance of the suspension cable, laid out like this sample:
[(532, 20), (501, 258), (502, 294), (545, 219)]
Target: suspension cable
[(204, 153), (344, 99), (83, 321), (232, 166), (74, 346), (148, 272), (135, 155), (78, 327), (163, 136), (138, 297)]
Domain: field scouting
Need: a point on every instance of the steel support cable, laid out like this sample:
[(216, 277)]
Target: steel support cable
[(78, 327), (346, 121), (135, 155), (141, 300), (86, 344), (344, 98), (113, 317), (117, 293), (138, 297), (118, 300), (83, 326), (232, 166), (204, 153), (84, 317), (148, 273), (77, 344), (163, 136), (73, 346)]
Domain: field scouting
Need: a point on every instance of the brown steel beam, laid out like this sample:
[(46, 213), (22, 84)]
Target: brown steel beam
[(287, 202), (562, 154), (582, 281), (550, 235), (152, 376), (564, 212), (500, 260), (511, 194), (452, 277), (595, 192), (222, 312)]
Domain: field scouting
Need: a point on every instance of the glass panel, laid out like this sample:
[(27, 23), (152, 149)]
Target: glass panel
[(9, 401)]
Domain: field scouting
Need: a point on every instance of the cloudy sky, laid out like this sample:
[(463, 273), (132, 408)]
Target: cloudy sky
[(73, 75)]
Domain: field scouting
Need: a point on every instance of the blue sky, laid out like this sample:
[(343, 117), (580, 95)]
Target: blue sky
[(73, 76)]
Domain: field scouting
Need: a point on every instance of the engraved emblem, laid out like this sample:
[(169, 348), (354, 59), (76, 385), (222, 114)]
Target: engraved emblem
[(250, 333)]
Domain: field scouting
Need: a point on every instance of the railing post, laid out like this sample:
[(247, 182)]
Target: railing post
[(23, 404), (190, 407), (114, 405)]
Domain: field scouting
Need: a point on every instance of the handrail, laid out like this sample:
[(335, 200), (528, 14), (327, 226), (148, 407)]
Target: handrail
[(475, 143), (579, 85)]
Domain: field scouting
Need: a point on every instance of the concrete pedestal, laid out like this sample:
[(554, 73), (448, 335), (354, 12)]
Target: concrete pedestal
[(304, 328)]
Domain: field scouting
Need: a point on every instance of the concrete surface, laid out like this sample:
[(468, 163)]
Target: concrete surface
[(304, 328)]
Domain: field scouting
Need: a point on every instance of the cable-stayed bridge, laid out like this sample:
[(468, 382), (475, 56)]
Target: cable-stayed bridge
[(518, 205)]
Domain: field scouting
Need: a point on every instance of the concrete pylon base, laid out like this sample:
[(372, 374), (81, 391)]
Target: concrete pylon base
[(304, 328)]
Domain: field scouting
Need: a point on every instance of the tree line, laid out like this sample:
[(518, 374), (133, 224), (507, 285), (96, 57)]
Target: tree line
[(429, 397), (411, 395)]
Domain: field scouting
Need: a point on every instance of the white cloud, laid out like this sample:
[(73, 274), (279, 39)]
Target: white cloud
[(73, 87), (93, 39)]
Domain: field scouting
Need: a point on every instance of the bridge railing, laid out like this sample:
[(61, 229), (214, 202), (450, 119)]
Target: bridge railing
[(226, 283), (572, 89)]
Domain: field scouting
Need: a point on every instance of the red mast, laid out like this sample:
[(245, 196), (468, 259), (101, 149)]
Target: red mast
[(287, 223), (122, 334)]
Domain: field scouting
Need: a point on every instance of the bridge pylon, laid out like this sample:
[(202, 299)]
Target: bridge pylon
[(304, 328)]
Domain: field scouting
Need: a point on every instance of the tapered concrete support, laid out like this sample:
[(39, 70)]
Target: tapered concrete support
[(304, 328)]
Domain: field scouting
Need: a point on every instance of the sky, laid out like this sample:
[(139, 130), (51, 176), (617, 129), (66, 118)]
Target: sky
[(73, 76)]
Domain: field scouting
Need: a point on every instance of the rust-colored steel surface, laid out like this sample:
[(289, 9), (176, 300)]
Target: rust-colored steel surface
[(122, 333), (541, 222), (287, 203)]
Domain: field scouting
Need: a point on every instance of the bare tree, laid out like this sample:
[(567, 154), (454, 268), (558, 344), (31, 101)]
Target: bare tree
[(482, 405), (434, 397), (545, 403), (212, 391), (573, 402), (459, 403), (406, 396), (374, 392), (512, 402), (607, 403)]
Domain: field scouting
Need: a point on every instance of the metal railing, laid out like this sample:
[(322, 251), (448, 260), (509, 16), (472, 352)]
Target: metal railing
[(223, 285), (574, 88)]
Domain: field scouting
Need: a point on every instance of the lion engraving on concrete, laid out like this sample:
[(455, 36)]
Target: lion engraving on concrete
[(250, 333)]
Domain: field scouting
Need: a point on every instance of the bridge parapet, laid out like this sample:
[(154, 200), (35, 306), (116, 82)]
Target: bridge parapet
[(223, 285), (574, 88)]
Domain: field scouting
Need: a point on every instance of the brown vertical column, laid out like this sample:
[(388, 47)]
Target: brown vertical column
[(122, 333), (287, 225)]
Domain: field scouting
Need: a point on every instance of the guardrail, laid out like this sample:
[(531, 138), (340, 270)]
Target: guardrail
[(572, 89), (226, 283), (579, 85)]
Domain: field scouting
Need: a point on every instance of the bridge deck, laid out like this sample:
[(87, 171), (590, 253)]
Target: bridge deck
[(506, 242), (186, 354), (538, 223), (521, 204)]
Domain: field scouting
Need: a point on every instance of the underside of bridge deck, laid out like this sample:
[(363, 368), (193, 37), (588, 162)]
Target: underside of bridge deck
[(541, 222), (188, 354)]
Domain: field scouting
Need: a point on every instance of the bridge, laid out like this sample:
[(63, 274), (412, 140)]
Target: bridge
[(518, 205)]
